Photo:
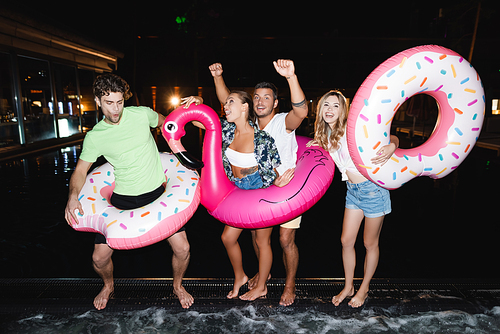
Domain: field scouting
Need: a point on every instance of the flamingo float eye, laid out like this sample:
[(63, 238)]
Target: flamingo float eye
[(170, 127)]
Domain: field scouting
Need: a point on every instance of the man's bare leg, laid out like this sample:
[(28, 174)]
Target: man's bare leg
[(180, 262), (103, 266), (291, 261)]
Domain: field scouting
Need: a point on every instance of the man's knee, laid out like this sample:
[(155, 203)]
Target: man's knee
[(287, 238), (182, 250), (101, 255), (180, 245)]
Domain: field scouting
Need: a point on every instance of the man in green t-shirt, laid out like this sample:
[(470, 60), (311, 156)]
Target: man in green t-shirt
[(124, 138)]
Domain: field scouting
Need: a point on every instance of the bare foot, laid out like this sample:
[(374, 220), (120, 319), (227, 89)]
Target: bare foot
[(346, 292), (252, 283), (185, 298), (236, 287), (359, 299), (254, 294), (101, 300), (288, 296)]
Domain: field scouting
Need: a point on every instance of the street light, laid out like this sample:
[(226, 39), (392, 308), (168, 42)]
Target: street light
[(175, 101)]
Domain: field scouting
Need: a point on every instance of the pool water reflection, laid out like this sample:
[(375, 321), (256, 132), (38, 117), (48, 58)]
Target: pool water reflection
[(438, 228), (253, 320)]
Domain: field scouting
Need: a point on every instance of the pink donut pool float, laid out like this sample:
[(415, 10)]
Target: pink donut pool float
[(129, 229), (249, 208), (432, 70)]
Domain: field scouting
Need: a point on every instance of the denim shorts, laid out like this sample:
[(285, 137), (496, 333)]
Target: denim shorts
[(252, 181), (375, 201)]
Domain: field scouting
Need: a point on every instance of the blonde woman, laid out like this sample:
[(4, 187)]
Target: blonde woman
[(364, 199)]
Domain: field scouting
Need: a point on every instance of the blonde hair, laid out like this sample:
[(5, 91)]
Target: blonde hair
[(325, 136)]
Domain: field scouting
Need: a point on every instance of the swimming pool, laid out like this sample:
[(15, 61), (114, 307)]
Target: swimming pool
[(254, 320), (149, 306), (445, 229)]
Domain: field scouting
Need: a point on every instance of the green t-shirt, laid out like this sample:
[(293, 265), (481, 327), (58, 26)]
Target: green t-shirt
[(130, 148)]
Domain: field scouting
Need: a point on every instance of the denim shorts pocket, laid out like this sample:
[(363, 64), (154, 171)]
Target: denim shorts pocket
[(252, 181)]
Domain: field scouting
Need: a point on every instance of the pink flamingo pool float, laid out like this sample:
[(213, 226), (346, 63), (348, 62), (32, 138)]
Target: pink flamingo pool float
[(248, 208)]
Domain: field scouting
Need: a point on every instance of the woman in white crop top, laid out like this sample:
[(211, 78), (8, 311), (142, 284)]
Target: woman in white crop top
[(241, 160), (250, 159), (364, 199)]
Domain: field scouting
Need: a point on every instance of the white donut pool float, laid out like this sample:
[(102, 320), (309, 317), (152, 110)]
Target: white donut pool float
[(136, 228), (432, 70)]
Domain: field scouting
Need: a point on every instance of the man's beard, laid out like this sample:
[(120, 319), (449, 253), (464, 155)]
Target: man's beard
[(264, 114)]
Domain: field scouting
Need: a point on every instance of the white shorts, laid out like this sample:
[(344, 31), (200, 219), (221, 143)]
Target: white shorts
[(294, 223)]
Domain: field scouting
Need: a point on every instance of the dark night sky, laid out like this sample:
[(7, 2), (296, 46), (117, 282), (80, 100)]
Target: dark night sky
[(333, 44), (116, 23)]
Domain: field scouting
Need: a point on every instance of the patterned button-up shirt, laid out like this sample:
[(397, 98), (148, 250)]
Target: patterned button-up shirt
[(265, 151)]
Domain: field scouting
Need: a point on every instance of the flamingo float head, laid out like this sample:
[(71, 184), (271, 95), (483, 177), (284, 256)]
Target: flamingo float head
[(173, 131), (214, 184)]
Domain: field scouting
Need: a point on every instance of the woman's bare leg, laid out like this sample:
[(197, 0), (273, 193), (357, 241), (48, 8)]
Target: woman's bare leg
[(350, 229), (373, 227), (263, 240), (230, 239)]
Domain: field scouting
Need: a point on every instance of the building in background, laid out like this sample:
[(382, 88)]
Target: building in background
[(46, 76)]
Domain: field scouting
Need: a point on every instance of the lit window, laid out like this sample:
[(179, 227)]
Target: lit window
[(495, 107)]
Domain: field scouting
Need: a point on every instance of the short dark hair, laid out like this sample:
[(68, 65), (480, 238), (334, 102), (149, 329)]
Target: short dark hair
[(108, 83), (269, 85)]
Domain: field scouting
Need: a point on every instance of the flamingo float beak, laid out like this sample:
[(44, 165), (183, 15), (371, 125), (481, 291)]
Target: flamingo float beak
[(184, 157)]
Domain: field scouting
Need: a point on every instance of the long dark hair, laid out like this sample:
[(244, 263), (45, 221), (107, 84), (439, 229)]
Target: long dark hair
[(246, 98)]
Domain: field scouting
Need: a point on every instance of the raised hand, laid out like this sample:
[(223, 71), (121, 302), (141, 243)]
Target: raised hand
[(284, 67), (216, 69)]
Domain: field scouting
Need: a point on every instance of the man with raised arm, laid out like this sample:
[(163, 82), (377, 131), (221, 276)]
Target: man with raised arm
[(124, 138), (281, 126)]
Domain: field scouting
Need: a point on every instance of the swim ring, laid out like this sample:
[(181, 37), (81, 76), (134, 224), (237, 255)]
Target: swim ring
[(129, 229), (432, 70), (250, 208)]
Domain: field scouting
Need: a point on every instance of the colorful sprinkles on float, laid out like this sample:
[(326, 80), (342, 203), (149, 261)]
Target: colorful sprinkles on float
[(129, 229), (432, 70)]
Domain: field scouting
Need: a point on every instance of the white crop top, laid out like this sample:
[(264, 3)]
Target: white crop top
[(239, 159), (343, 160)]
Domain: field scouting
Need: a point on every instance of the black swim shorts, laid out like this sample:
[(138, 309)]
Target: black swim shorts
[(125, 202)]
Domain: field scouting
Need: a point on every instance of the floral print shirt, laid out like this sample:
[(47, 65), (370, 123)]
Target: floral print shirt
[(265, 151)]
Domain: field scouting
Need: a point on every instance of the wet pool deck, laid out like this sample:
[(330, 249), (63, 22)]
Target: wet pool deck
[(396, 296)]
